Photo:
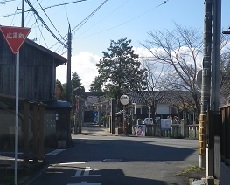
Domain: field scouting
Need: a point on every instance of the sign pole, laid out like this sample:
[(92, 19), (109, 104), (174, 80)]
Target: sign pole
[(15, 36), (16, 121)]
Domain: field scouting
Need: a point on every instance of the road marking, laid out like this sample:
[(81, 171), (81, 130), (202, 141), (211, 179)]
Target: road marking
[(70, 163), (55, 152), (86, 173), (84, 183), (78, 173), (112, 160)]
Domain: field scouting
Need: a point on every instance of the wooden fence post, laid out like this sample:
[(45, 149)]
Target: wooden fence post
[(35, 132), (26, 130), (41, 128)]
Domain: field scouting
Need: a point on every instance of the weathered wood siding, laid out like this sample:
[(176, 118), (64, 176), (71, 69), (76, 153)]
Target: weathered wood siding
[(37, 71)]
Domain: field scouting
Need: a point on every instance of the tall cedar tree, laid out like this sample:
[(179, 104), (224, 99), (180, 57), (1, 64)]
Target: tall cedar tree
[(96, 85), (76, 86)]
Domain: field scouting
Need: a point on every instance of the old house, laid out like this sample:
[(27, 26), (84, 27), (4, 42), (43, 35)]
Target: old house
[(37, 80)]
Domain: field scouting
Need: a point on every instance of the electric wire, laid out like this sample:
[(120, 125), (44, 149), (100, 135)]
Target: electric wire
[(6, 1), (13, 17), (106, 17), (43, 22), (77, 27), (66, 14), (138, 16), (52, 6), (41, 33), (49, 19)]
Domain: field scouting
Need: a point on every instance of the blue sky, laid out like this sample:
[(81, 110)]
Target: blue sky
[(114, 20)]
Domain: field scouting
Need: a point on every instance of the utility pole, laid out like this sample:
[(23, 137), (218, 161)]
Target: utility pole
[(23, 13), (206, 80), (215, 90), (68, 73), (210, 89)]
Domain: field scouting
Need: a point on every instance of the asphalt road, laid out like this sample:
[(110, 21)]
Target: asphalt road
[(120, 160)]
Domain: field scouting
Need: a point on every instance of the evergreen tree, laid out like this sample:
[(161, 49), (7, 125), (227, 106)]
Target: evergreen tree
[(120, 70), (77, 87), (96, 85)]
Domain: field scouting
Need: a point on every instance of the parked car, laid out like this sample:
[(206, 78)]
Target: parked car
[(148, 121)]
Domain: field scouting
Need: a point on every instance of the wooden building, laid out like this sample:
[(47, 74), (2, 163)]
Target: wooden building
[(37, 81)]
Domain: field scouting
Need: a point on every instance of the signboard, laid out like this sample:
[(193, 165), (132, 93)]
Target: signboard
[(166, 124), (15, 36), (140, 130)]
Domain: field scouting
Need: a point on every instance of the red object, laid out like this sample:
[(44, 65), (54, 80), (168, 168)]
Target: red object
[(15, 36)]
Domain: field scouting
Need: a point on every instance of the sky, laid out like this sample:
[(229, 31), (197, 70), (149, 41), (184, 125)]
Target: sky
[(94, 23)]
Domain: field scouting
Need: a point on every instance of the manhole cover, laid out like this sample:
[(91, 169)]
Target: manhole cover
[(112, 160)]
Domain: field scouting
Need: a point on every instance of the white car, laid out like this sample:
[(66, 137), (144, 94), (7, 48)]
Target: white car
[(148, 121)]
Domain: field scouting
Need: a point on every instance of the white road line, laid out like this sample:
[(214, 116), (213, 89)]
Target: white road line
[(84, 183), (78, 173), (86, 173), (55, 152), (71, 163)]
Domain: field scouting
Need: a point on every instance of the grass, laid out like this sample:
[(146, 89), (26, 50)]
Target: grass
[(192, 169), (193, 172)]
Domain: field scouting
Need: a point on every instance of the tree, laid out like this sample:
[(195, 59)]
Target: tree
[(225, 67), (60, 90), (76, 81), (96, 85), (77, 87), (151, 96), (120, 70), (180, 49)]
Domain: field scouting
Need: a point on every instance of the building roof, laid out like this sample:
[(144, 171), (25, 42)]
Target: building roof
[(59, 60), (162, 97)]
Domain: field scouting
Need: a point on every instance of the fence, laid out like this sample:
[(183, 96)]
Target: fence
[(225, 134), (176, 131)]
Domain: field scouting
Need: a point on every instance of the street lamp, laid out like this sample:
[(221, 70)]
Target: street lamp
[(124, 101)]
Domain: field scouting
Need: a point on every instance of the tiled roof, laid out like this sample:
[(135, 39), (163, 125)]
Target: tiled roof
[(163, 97)]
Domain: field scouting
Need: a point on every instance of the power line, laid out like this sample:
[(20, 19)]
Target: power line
[(49, 19), (66, 14), (52, 6), (6, 1), (77, 27), (104, 17), (43, 22), (140, 15)]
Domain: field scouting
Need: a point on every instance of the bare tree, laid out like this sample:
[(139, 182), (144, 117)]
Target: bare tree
[(179, 49), (151, 96)]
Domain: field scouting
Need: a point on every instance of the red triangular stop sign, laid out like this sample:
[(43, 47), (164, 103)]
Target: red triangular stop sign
[(15, 36)]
